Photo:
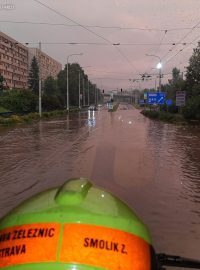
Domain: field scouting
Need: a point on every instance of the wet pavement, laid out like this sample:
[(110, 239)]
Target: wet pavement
[(153, 166)]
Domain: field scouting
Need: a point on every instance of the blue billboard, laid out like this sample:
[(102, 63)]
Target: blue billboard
[(157, 98)]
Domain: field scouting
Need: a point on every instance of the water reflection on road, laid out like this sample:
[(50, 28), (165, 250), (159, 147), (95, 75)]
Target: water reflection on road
[(153, 166)]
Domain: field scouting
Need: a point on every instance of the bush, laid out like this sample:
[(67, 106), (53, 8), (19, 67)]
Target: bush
[(50, 103), (14, 119), (3, 110), (163, 116), (171, 109), (19, 101), (151, 114), (192, 109)]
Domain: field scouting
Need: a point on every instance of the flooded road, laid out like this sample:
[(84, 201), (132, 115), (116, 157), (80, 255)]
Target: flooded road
[(153, 166)]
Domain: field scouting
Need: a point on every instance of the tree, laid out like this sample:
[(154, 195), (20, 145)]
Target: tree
[(192, 108), (1, 83), (193, 74), (19, 101), (192, 86), (176, 77), (62, 85), (73, 76), (33, 78), (175, 84), (50, 86)]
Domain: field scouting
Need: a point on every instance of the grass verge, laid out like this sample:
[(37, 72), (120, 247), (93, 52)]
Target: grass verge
[(33, 117), (3, 110), (164, 116)]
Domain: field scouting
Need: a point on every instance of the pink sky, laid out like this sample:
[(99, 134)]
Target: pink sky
[(110, 66)]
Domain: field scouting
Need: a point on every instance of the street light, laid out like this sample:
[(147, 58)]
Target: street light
[(83, 87), (159, 66), (79, 90), (68, 78)]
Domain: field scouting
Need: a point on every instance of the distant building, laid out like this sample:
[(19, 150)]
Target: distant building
[(13, 62), (49, 66)]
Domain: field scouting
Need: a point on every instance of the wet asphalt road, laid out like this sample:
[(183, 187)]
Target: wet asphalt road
[(153, 166)]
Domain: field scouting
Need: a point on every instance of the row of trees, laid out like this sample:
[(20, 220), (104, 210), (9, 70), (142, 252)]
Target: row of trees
[(53, 90)]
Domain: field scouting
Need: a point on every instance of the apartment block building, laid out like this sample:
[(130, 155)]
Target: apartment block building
[(48, 65), (13, 62)]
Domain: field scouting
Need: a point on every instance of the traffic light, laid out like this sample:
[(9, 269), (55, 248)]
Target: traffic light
[(103, 91), (121, 89)]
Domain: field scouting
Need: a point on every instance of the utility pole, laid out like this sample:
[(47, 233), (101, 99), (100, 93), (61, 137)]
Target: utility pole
[(159, 66), (67, 94), (155, 84), (79, 91), (95, 94), (83, 91), (40, 82), (88, 93), (160, 79)]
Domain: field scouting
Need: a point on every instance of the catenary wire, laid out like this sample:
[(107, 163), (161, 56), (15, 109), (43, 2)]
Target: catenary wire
[(181, 50), (100, 26), (187, 34), (84, 27), (106, 44)]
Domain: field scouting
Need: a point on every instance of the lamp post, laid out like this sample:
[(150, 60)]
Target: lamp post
[(79, 90), (88, 93), (68, 77), (84, 97), (159, 66), (83, 91)]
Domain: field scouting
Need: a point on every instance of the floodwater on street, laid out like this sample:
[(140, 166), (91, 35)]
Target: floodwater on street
[(153, 166)]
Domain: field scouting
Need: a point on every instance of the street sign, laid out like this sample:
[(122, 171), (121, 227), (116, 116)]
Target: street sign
[(141, 102), (156, 98), (110, 106), (168, 102), (180, 98)]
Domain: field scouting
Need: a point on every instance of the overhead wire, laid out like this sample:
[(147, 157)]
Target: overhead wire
[(181, 50), (84, 27), (158, 47), (120, 28), (105, 44), (174, 45), (100, 26), (111, 78), (187, 34)]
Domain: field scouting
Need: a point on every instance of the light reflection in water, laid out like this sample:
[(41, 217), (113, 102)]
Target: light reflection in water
[(91, 119)]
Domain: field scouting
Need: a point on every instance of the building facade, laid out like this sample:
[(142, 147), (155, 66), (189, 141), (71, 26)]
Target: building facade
[(48, 65), (13, 62)]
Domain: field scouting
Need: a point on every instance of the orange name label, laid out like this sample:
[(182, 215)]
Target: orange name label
[(104, 247), (29, 244)]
